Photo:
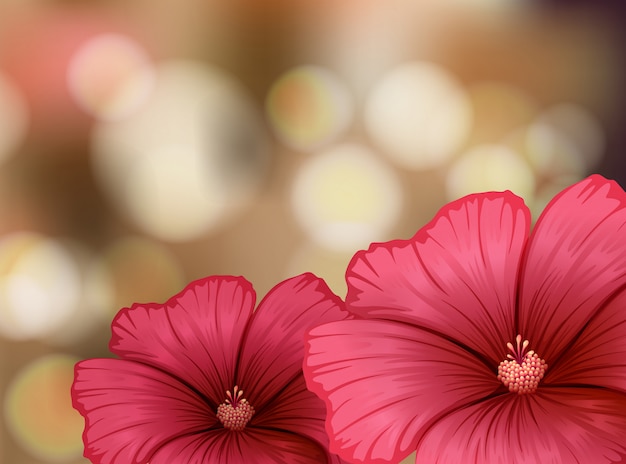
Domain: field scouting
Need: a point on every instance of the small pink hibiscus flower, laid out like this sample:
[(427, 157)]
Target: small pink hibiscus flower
[(477, 341), (204, 378)]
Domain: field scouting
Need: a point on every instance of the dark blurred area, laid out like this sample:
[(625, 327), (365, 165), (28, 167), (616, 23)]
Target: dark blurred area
[(146, 144)]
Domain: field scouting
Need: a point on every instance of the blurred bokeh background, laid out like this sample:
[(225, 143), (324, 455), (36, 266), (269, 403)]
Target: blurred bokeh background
[(144, 144)]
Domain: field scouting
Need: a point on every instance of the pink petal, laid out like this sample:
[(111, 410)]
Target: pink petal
[(384, 382), (195, 335), (249, 446), (598, 356), (131, 410), (273, 348), (295, 410), (576, 260), (557, 426), (457, 275)]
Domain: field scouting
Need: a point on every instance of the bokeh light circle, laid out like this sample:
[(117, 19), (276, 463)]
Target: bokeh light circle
[(550, 153), (419, 114), (94, 300), (490, 168), (346, 197), (190, 158), (571, 130), (139, 270), (38, 409), (14, 118), (308, 107), (40, 286), (110, 76)]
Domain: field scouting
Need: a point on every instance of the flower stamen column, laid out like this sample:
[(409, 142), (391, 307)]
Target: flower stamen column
[(235, 412), (523, 371)]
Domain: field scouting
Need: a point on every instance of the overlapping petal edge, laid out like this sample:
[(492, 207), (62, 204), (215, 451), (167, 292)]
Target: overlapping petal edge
[(157, 402), (417, 366)]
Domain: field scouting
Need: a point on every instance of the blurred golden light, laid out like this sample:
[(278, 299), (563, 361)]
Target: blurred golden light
[(346, 197), (568, 128), (38, 410), (95, 299), (40, 286), (486, 9), (188, 159), (308, 107), (410, 459), (329, 265), (364, 39), (490, 168), (13, 118), (110, 76), (139, 270), (419, 115), (550, 154), (498, 109)]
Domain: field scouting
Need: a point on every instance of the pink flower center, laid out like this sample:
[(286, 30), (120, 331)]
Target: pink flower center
[(235, 412), (523, 370)]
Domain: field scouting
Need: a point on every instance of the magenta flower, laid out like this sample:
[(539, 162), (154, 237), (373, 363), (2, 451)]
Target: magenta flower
[(204, 378), (477, 341)]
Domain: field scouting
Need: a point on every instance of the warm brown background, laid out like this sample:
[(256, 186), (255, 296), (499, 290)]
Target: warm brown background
[(223, 180)]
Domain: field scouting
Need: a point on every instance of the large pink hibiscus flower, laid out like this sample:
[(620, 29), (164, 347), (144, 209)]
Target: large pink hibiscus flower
[(204, 378), (477, 341)]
